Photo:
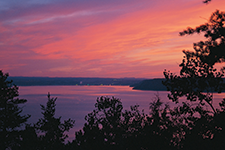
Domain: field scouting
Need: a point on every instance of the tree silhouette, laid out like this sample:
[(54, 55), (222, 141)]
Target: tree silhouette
[(29, 139), (109, 127), (103, 127), (212, 50), (199, 77), (50, 129), (11, 119), (206, 1), (198, 80)]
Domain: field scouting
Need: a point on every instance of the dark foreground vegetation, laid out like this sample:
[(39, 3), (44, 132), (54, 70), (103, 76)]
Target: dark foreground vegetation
[(108, 126), (184, 127)]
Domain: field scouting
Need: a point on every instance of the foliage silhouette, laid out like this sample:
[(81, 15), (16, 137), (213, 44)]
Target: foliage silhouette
[(198, 80), (11, 119), (206, 1), (50, 129), (103, 127), (29, 139), (48, 133), (198, 76), (210, 51), (109, 127)]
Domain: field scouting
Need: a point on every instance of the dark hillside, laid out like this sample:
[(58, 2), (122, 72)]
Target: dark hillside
[(151, 84)]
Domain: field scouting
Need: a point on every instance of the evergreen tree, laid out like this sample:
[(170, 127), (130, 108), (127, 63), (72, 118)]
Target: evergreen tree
[(50, 129), (11, 119)]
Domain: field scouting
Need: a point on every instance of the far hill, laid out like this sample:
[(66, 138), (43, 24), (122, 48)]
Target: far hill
[(153, 85), (150, 84)]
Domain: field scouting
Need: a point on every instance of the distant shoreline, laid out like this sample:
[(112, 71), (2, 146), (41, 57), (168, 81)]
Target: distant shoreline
[(136, 83), (72, 85), (51, 81)]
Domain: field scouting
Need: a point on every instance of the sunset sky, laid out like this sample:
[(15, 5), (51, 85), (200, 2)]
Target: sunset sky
[(98, 38)]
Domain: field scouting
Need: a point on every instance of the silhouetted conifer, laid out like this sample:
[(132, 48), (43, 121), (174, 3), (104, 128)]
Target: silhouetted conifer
[(50, 130), (11, 119)]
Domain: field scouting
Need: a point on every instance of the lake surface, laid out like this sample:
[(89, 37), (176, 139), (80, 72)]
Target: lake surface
[(77, 101)]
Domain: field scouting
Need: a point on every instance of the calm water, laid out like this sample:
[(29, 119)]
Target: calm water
[(77, 101)]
